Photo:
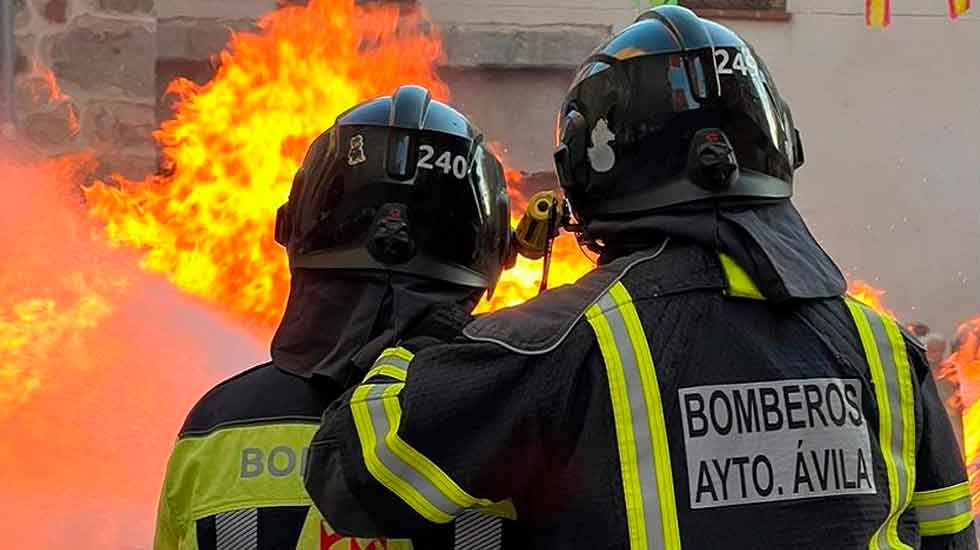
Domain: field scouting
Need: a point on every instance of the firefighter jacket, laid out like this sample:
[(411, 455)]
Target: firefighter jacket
[(234, 479), (658, 403)]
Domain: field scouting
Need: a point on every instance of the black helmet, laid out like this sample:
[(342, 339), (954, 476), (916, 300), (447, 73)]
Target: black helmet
[(673, 110), (402, 183)]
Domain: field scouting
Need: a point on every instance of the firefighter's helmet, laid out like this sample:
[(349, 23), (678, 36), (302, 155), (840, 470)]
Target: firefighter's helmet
[(403, 184), (674, 110)]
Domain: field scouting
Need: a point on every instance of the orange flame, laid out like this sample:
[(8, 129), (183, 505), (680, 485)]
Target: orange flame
[(98, 364), (870, 296), (235, 143), (521, 283), (962, 368), (45, 299), (206, 224), (53, 90), (44, 92)]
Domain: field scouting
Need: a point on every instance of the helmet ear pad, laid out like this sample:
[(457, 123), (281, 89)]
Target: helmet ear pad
[(799, 156), (711, 161), (390, 239)]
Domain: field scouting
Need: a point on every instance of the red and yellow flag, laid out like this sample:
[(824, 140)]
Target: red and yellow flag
[(958, 7), (877, 13)]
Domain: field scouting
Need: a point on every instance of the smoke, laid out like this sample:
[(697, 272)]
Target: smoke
[(99, 364)]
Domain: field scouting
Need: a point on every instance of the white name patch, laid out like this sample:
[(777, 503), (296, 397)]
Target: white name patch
[(772, 441)]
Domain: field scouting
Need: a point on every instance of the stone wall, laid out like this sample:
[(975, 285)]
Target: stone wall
[(102, 54), (891, 182), (191, 32)]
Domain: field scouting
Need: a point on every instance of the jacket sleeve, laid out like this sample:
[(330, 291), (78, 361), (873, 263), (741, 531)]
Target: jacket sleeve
[(165, 536), (426, 437), (942, 491)]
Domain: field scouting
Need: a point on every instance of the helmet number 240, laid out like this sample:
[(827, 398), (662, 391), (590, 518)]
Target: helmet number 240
[(742, 61), (445, 161)]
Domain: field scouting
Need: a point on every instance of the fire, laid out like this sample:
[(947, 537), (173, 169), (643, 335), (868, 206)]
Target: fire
[(962, 368), (98, 364), (869, 296), (521, 283), (89, 341), (42, 91), (62, 302), (235, 143)]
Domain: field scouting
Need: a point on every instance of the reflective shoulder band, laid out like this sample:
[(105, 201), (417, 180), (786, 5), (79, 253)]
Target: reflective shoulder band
[(407, 473), (739, 283), (891, 376), (641, 435), (393, 362), (943, 511)]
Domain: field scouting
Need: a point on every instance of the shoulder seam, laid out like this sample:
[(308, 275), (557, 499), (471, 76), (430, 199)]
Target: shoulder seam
[(248, 422), (578, 318)]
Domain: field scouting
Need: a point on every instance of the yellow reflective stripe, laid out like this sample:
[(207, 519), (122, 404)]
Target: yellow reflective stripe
[(622, 418), (944, 511), (382, 472), (903, 371), (739, 282), (655, 416), (392, 362), (402, 469), (941, 496), (429, 469), (387, 370), (884, 411), (895, 436), (641, 438), (397, 353), (949, 526)]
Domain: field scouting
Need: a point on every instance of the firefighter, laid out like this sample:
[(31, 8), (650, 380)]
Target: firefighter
[(396, 224), (709, 385)]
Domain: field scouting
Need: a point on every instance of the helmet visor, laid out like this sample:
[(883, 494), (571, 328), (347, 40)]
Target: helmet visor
[(726, 88), (445, 189)]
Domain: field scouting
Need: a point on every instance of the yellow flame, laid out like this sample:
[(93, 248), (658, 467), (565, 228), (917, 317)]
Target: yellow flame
[(235, 143)]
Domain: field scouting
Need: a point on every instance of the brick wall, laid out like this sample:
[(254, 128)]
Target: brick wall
[(102, 53)]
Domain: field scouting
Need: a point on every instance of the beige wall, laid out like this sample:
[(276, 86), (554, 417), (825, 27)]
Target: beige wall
[(890, 119)]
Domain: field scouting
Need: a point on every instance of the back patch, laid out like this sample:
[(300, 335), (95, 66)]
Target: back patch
[(774, 441)]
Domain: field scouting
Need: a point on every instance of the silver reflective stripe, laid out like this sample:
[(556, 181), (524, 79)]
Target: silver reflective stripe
[(642, 433), (379, 420), (894, 399), (477, 531), (887, 537), (945, 511), (389, 362), (393, 361), (237, 530)]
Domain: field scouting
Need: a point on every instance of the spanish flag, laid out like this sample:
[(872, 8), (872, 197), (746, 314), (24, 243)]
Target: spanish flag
[(958, 7), (877, 13)]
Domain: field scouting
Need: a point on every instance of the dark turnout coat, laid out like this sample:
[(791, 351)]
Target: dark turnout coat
[(660, 402)]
